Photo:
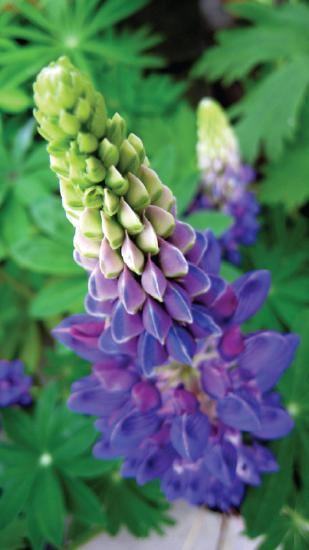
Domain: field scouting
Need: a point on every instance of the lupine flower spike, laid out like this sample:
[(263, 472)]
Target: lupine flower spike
[(224, 179), (14, 384), (175, 383)]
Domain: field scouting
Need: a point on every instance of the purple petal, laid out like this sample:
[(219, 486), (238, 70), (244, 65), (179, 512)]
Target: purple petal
[(231, 343), (183, 236), (220, 461), (196, 253), (98, 309), (172, 260), (86, 263), (156, 321), (180, 345), (217, 287), (177, 303), (112, 378), (93, 400), (150, 353), (111, 263), (108, 345), (275, 422), (124, 325), (239, 413), (247, 469), (131, 293), (145, 396), (133, 429), (81, 333), (264, 459), (189, 435), (196, 282), (101, 288), (225, 305), (211, 259), (153, 281), (251, 290), (156, 464), (215, 381), (203, 324), (267, 355)]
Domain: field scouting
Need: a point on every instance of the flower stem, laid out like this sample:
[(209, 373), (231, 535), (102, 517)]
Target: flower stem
[(222, 533)]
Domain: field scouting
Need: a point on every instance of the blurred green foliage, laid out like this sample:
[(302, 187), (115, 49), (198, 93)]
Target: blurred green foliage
[(40, 283)]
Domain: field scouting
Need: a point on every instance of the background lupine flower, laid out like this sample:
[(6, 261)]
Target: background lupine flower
[(186, 425), (224, 179), (14, 384), (148, 270)]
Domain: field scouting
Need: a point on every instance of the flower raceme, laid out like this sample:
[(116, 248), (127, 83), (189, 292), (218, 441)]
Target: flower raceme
[(224, 179), (175, 383), (14, 384)]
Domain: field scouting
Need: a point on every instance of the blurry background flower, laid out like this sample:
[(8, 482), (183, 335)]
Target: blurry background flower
[(14, 384)]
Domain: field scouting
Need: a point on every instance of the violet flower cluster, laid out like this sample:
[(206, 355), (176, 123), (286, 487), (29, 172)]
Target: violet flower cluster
[(224, 179), (180, 393), (14, 384)]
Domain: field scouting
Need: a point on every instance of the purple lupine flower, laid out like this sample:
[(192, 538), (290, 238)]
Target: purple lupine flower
[(224, 179), (14, 384), (185, 424)]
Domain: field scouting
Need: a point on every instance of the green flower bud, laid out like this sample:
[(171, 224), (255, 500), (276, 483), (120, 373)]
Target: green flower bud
[(95, 170), (93, 197), (166, 199), (73, 215), (128, 219), (137, 195), (116, 181), (152, 182), (69, 123), (147, 240), (82, 109), (138, 145), (99, 118), (59, 166), (128, 158), (162, 221), (108, 153), (87, 143), (51, 131), (71, 195), (111, 202), (112, 231), (116, 129), (90, 223)]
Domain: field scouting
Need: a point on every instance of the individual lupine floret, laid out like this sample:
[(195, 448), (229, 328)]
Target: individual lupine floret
[(146, 267), (224, 179), (199, 430), (14, 384)]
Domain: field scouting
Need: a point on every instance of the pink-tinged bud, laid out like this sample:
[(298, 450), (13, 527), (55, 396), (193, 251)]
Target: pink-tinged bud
[(162, 221), (132, 256), (89, 248), (128, 219), (183, 236), (147, 240), (110, 261), (101, 288), (172, 260), (130, 291), (153, 281)]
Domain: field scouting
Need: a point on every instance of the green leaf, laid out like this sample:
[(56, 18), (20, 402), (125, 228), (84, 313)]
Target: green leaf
[(15, 223), (43, 255), (49, 216), (286, 181), (48, 503), (87, 467), (14, 101), (229, 272), (218, 222), (77, 444), (19, 428), (85, 503), (58, 296), (11, 538), (14, 498), (44, 413)]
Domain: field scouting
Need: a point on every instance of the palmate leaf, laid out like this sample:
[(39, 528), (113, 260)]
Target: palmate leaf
[(81, 30), (270, 111)]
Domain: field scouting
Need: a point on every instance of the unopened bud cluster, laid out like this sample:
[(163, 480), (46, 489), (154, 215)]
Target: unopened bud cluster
[(115, 201)]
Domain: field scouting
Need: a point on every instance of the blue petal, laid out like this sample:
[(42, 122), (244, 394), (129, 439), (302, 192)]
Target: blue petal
[(252, 290), (81, 334), (177, 303), (125, 326), (275, 422), (212, 257), (108, 345), (98, 309), (203, 324), (150, 353), (156, 320), (189, 435), (220, 460), (239, 413), (180, 345)]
